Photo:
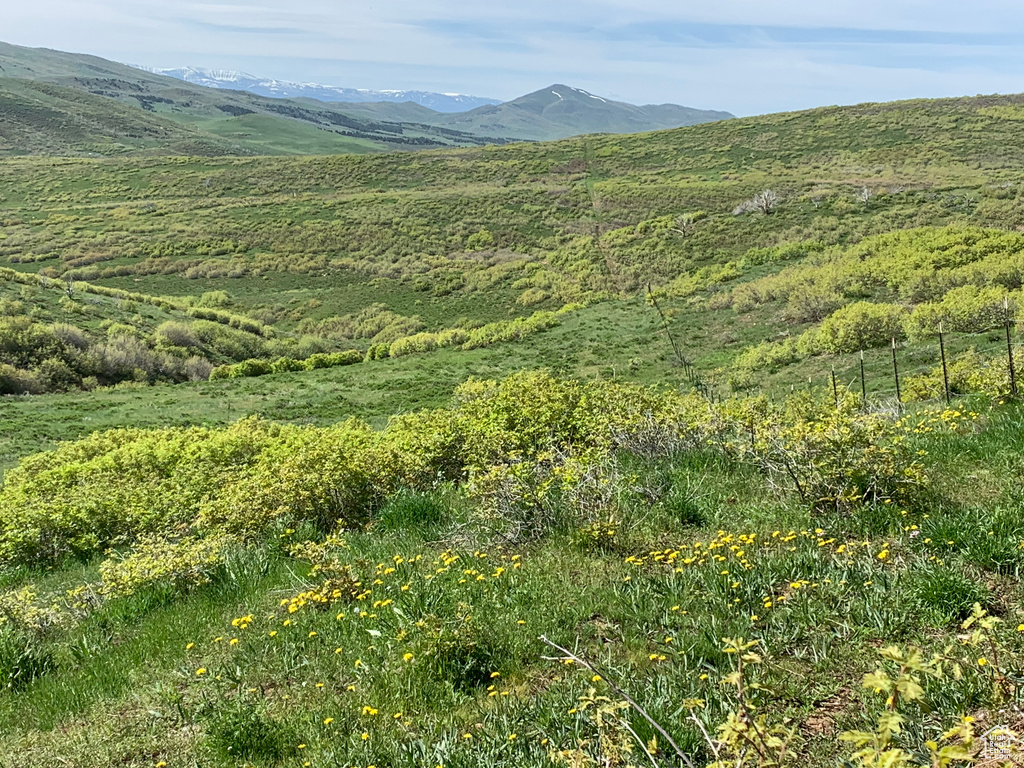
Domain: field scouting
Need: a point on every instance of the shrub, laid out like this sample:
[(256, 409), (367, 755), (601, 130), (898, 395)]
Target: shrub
[(769, 355), (253, 367), (176, 334), (179, 565), (840, 458), (966, 309), (970, 373), (286, 365), (113, 487), (861, 326), (334, 476)]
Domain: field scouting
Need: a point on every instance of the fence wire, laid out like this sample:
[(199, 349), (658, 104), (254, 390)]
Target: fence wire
[(872, 374)]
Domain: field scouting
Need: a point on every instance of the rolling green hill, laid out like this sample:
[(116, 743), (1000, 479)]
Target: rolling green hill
[(419, 252), (247, 123), (500, 436), (258, 125), (41, 118)]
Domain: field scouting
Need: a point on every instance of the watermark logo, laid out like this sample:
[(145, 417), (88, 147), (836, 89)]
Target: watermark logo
[(1002, 744)]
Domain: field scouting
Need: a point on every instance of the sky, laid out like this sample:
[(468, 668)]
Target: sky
[(744, 56)]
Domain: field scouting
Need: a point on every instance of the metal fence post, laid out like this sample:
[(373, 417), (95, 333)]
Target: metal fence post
[(896, 373), (945, 370), (1009, 346)]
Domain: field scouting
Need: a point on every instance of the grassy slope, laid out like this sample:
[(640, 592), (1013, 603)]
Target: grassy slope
[(822, 600), (322, 237), (405, 225), (593, 343), (41, 118), (136, 98)]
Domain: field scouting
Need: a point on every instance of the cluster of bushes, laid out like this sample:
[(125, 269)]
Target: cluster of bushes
[(525, 446), (913, 266), (971, 373), (37, 357), (483, 336), (263, 366), (866, 325), (375, 322)]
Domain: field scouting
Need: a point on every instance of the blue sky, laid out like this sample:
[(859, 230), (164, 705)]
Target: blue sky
[(745, 56)]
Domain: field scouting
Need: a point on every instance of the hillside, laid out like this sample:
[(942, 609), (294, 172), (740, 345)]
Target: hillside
[(40, 118), (314, 122), (226, 122), (556, 112), (494, 438), (560, 111), (364, 252)]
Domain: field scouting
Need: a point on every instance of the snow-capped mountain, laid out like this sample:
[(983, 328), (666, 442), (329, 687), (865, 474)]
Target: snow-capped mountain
[(240, 81)]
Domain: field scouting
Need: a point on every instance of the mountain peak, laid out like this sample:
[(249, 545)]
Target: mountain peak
[(560, 110)]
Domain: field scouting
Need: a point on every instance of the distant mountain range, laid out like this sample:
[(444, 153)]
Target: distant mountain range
[(284, 89), (559, 111), (52, 102)]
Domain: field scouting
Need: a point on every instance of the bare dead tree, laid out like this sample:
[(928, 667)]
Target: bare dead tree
[(766, 200), (684, 224)]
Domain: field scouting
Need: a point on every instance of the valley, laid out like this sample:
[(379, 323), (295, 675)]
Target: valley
[(698, 446)]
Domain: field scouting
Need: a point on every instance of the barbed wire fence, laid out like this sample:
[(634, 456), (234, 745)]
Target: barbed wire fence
[(940, 368)]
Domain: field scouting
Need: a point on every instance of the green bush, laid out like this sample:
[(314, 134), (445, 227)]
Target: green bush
[(286, 365), (862, 325), (253, 367), (966, 309), (179, 565)]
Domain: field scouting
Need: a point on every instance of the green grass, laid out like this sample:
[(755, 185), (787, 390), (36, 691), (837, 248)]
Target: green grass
[(268, 135), (656, 629), (593, 343), (473, 236)]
